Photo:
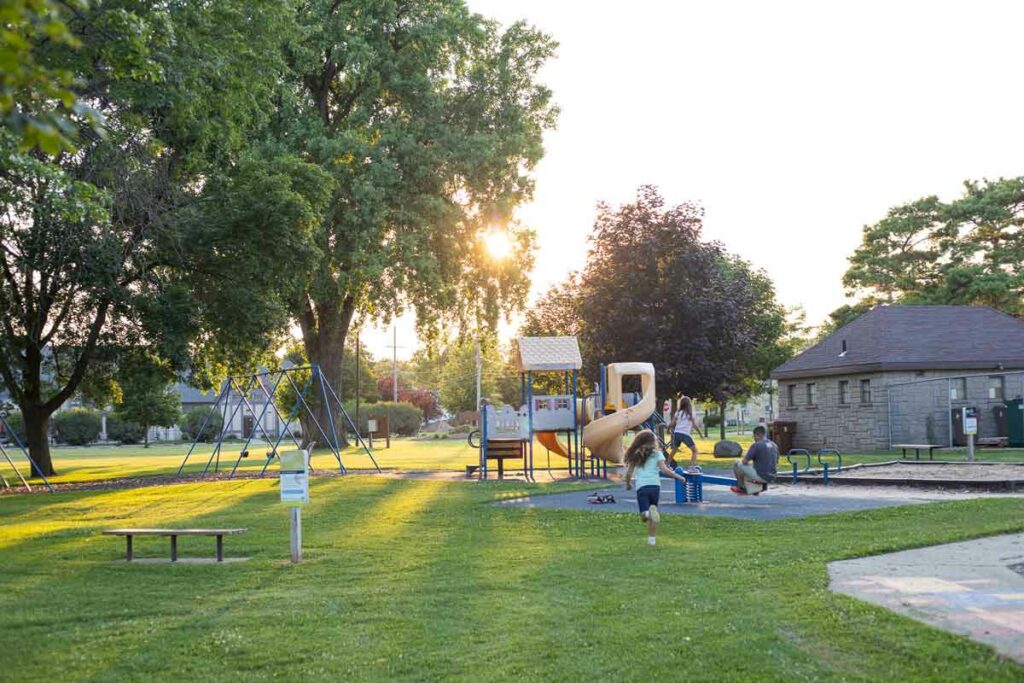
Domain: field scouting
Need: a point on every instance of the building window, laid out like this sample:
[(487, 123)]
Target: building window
[(997, 388), (865, 391), (958, 389), (812, 391), (791, 395), (844, 392)]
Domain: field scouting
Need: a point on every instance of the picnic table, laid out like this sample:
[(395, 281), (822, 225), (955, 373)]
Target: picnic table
[(129, 534), (917, 448)]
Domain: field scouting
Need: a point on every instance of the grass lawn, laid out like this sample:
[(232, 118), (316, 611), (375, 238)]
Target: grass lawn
[(421, 580), (77, 464)]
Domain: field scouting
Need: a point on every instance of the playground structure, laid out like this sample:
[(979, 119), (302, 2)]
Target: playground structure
[(5, 451), (592, 425), (235, 395)]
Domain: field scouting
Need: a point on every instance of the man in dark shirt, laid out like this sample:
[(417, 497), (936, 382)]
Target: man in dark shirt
[(757, 467)]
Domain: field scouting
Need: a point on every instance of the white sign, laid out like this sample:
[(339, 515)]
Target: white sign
[(970, 421), (294, 478), (371, 426)]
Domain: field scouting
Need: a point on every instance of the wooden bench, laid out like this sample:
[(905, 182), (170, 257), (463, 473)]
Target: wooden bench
[(917, 448), (129, 534), (505, 449)]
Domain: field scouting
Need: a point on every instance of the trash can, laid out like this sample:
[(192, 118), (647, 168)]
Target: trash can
[(1015, 422), (782, 434)]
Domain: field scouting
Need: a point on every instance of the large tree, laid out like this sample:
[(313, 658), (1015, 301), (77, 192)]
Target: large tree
[(427, 119), (653, 290), (116, 245), (966, 251)]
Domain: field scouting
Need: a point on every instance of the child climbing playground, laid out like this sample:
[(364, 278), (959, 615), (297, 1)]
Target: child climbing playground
[(644, 459), (683, 425)]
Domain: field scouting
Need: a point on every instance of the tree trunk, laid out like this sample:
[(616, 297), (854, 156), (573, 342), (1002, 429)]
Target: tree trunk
[(37, 432), (145, 436), (721, 426), (324, 351)]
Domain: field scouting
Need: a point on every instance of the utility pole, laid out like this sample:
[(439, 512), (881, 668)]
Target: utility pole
[(394, 364), (479, 367)]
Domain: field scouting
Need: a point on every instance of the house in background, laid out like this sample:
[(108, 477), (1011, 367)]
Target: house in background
[(895, 374)]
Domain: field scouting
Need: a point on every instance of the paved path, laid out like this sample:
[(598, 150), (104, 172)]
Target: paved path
[(975, 588), (779, 502)]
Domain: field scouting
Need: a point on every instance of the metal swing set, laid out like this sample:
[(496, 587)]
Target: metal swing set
[(234, 399), (6, 451)]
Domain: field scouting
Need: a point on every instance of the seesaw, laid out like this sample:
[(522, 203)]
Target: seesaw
[(693, 490)]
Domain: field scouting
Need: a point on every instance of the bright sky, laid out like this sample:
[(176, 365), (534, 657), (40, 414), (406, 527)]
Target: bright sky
[(793, 123)]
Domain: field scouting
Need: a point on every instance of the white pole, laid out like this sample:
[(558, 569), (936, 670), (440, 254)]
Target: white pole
[(394, 366), (479, 366), (296, 535)]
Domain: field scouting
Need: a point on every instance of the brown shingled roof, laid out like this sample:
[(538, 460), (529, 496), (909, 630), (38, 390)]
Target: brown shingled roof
[(915, 338)]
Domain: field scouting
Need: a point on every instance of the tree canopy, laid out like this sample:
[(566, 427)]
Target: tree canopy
[(966, 251), (653, 290)]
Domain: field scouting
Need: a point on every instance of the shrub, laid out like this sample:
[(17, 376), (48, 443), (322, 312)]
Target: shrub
[(192, 422), (17, 424), (405, 417), (124, 431), (77, 426), (712, 420)]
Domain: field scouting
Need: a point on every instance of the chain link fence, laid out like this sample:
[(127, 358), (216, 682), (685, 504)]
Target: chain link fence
[(929, 411)]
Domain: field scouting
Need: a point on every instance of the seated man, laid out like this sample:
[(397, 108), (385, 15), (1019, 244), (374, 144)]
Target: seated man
[(757, 467)]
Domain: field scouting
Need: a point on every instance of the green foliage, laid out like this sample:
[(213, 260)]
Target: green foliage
[(147, 397), (130, 241), (652, 290), (405, 417), (499, 381), (193, 421), (77, 426), (966, 251), (123, 430), (712, 419), (37, 99), (17, 424)]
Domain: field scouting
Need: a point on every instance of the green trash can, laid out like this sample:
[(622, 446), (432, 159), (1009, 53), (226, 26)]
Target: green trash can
[(1015, 422)]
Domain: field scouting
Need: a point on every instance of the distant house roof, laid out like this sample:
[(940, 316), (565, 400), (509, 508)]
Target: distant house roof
[(915, 338), (548, 354)]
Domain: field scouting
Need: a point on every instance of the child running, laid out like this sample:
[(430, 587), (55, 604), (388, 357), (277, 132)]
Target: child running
[(644, 458), (685, 423)]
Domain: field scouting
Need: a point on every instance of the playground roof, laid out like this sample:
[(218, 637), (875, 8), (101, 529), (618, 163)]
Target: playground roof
[(548, 354)]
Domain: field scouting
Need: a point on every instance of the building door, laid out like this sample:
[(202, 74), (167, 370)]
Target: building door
[(248, 422)]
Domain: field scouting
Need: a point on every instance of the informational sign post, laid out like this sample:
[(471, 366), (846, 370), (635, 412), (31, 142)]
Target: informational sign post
[(371, 429), (295, 494), (970, 429)]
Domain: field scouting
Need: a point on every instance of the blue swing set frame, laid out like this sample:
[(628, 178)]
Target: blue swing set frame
[(241, 387)]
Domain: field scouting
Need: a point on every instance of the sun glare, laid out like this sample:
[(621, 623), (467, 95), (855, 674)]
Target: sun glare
[(498, 244)]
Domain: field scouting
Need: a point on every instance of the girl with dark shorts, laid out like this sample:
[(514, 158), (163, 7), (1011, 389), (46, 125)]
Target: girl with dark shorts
[(648, 463), (684, 423)]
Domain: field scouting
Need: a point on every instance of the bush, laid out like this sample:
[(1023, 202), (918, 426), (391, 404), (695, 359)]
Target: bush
[(712, 420), (124, 431), (405, 417), (77, 426), (192, 422), (16, 423)]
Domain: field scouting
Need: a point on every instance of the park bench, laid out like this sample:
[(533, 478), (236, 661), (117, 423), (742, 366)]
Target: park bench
[(917, 448), (129, 534)]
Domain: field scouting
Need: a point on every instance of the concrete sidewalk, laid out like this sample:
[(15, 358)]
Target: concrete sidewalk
[(975, 588)]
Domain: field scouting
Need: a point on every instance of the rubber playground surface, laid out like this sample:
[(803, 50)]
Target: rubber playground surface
[(781, 501)]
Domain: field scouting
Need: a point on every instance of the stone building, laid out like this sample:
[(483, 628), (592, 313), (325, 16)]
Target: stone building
[(897, 373)]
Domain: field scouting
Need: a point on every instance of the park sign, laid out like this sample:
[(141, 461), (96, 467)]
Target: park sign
[(295, 478), (970, 421)]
